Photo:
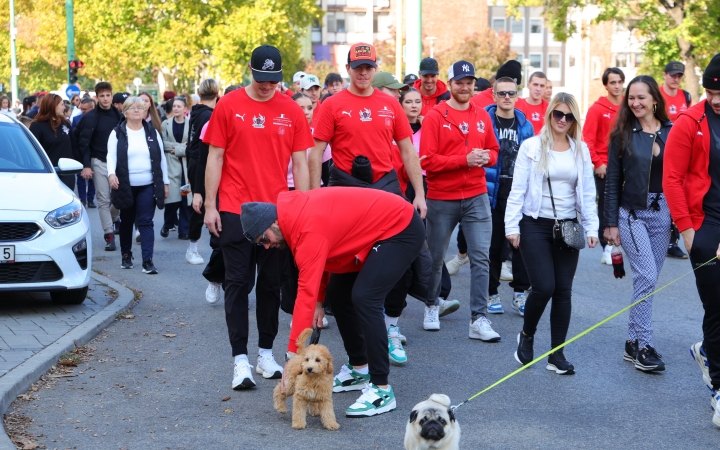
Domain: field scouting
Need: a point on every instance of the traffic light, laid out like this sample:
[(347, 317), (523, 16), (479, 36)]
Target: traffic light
[(73, 67)]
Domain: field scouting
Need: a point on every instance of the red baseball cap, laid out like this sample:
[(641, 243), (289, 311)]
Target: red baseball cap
[(361, 53)]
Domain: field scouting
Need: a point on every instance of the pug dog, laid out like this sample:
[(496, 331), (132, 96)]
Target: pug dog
[(432, 426)]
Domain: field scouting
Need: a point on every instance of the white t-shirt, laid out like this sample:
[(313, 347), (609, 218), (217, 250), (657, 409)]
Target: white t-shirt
[(563, 176), (139, 165)]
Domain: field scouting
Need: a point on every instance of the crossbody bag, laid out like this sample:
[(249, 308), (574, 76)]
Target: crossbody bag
[(566, 232)]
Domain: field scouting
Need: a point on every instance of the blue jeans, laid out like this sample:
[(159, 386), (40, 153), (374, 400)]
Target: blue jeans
[(475, 217), (141, 214), (171, 216), (82, 184)]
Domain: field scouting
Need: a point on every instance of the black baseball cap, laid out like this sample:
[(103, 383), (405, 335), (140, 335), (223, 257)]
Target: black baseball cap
[(410, 79), (266, 64), (461, 69), (482, 84), (120, 97), (674, 68), (429, 66)]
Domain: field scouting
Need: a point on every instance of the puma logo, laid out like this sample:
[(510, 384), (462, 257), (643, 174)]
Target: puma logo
[(447, 126), (376, 247), (242, 117), (348, 113)]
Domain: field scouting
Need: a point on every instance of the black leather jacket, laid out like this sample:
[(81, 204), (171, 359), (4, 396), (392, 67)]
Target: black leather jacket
[(627, 180)]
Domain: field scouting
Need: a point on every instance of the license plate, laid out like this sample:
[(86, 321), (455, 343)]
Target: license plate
[(7, 254)]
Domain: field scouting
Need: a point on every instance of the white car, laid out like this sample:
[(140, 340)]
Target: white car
[(44, 229)]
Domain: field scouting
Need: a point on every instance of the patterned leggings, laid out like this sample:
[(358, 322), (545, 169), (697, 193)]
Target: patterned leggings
[(644, 234)]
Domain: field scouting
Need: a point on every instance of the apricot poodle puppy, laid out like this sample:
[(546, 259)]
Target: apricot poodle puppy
[(309, 380)]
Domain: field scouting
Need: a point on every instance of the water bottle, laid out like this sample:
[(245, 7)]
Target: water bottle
[(617, 262)]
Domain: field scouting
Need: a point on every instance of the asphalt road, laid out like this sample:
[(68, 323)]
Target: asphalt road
[(144, 390)]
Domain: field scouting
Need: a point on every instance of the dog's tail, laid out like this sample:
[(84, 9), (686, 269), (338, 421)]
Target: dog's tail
[(302, 339)]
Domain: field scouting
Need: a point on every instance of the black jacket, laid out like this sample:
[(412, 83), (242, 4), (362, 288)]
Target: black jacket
[(84, 132), (199, 116), (388, 182), (57, 144), (627, 180), (122, 197)]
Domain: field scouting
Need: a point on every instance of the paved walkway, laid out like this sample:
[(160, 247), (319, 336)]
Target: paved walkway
[(29, 322)]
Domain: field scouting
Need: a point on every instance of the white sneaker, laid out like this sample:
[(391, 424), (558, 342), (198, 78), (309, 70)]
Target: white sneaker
[(193, 257), (447, 306), (506, 273), (456, 263), (607, 255), (212, 293), (495, 305), (242, 376), (481, 329), (325, 322), (432, 319), (716, 416), (268, 368), (518, 302)]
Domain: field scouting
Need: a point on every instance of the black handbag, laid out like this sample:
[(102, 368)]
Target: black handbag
[(566, 232)]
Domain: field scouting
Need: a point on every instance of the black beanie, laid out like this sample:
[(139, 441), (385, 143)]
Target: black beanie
[(256, 218), (711, 76), (511, 69)]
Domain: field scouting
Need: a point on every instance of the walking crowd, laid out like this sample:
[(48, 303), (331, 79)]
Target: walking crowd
[(333, 199)]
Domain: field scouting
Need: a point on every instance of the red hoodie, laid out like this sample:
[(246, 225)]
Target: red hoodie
[(686, 179), (448, 136), (483, 99), (332, 231), (596, 132), (430, 101)]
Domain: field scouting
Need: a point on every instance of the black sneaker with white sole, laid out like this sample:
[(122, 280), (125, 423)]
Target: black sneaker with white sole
[(631, 349), (524, 352), (127, 261), (649, 360), (558, 363), (149, 267)]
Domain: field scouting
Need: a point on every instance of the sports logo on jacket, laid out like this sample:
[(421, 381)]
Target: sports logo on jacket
[(258, 122), (536, 117), (607, 115), (464, 127), (673, 109), (269, 64), (481, 126), (365, 115)]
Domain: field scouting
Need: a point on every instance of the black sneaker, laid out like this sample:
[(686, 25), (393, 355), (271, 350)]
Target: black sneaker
[(524, 352), (149, 268), (91, 204), (116, 227), (183, 237), (631, 349), (110, 242), (675, 252), (164, 232), (558, 363), (648, 360), (328, 310), (127, 261)]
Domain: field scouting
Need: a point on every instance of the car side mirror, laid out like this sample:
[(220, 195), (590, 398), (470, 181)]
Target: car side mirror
[(67, 166)]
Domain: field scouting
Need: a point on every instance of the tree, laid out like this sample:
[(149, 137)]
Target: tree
[(684, 30), (486, 49), (320, 69)]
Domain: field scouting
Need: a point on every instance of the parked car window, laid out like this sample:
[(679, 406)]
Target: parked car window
[(17, 153)]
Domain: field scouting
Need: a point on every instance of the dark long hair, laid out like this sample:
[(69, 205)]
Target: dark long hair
[(621, 135), (48, 113), (152, 112)]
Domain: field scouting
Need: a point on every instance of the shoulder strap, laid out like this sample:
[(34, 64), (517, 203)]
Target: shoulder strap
[(688, 97), (552, 200)]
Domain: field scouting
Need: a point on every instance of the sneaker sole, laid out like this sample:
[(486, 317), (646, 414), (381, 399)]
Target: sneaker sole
[(695, 353), (194, 263), (123, 267), (640, 367), (559, 371), (373, 412), (354, 387), (517, 358), (431, 329), (269, 376), (449, 310), (150, 272), (716, 419), (477, 336), (628, 358), (244, 384), (398, 363), (211, 301), (499, 311)]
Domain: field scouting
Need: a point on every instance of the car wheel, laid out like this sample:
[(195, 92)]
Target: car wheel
[(69, 297)]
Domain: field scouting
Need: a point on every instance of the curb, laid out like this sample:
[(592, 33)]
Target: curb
[(19, 379)]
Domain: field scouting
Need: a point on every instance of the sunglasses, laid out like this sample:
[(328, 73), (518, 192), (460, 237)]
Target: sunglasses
[(503, 94), (558, 115), (263, 240)]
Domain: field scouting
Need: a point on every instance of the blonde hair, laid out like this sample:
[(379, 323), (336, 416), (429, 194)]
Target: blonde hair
[(208, 89), (131, 101), (574, 132)]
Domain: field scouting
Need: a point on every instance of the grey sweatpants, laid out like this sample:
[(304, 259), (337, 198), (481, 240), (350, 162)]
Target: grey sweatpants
[(108, 213)]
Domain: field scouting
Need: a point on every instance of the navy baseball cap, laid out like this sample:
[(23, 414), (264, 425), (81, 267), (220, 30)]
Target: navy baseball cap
[(461, 69), (266, 64)]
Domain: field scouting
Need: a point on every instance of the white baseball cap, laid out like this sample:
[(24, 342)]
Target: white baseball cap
[(298, 76), (309, 81)]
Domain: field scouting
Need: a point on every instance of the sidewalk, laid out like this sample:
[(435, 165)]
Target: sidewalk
[(34, 333)]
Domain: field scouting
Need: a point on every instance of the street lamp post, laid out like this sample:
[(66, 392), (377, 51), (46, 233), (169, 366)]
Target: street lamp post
[(13, 54), (432, 45)]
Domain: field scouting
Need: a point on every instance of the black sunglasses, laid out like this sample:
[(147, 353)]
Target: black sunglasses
[(503, 94), (263, 240), (558, 115)]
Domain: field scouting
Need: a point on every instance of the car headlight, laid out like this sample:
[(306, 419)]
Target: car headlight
[(65, 216)]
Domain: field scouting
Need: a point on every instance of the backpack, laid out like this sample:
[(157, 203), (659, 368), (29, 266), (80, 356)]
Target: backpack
[(688, 97)]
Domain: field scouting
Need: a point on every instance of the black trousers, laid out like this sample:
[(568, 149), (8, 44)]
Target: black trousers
[(196, 220), (704, 247), (461, 242), (600, 189), (551, 269), (358, 299), (241, 257), (520, 282)]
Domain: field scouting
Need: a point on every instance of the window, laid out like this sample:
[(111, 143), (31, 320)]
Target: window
[(622, 60), (596, 68), (340, 25), (520, 57), (19, 155), (498, 24), (571, 61), (536, 60), (553, 61), (536, 26), (517, 26)]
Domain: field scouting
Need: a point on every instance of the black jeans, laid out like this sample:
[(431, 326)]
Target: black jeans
[(461, 242), (704, 247), (600, 189), (357, 299), (520, 282), (551, 268), (141, 214), (196, 220), (240, 257)]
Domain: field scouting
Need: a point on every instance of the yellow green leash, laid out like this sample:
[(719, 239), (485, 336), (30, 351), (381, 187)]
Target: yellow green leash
[(576, 337)]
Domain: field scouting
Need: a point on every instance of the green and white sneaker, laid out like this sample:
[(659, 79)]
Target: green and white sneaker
[(395, 348), (349, 379), (447, 306), (372, 402)]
